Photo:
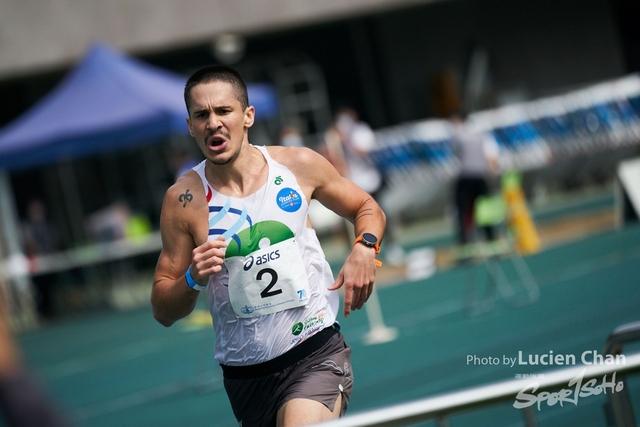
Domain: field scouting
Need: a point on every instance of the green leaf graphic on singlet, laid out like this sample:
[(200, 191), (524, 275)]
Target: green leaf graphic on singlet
[(250, 237)]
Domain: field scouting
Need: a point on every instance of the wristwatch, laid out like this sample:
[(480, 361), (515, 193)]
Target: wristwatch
[(369, 240)]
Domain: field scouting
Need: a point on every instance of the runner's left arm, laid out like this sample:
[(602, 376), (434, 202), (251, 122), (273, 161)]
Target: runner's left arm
[(349, 201)]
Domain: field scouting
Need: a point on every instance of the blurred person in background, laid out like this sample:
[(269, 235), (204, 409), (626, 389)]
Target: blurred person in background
[(347, 145), (40, 237), (478, 155), (109, 223), (272, 295), (23, 402), (290, 136)]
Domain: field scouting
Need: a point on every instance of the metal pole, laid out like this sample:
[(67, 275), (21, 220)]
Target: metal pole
[(8, 216), (443, 421), (73, 202), (529, 416), (15, 265), (378, 332)]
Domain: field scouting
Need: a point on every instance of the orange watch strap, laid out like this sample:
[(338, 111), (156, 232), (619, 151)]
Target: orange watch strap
[(376, 246)]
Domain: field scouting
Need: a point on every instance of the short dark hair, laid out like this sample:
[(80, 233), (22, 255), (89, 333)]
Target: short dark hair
[(215, 73)]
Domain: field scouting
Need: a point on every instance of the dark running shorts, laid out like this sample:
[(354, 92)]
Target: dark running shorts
[(318, 369)]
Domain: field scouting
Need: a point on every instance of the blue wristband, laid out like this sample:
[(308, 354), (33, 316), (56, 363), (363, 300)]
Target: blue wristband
[(192, 283)]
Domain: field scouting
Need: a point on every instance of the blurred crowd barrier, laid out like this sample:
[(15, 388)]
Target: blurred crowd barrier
[(564, 136)]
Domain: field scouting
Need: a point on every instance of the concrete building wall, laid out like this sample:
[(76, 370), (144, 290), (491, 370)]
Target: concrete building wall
[(36, 34)]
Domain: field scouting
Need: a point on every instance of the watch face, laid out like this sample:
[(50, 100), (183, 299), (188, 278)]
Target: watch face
[(369, 239)]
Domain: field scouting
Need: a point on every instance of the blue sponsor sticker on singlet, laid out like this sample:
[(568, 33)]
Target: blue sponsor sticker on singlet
[(289, 200)]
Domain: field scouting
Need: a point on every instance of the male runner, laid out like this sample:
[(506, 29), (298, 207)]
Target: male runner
[(237, 228)]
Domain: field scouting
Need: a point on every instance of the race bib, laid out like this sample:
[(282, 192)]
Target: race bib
[(268, 280)]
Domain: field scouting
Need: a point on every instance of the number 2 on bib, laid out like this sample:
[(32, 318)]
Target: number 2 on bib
[(267, 292)]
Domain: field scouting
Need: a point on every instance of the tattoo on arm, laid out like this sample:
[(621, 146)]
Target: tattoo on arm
[(366, 212), (186, 197)]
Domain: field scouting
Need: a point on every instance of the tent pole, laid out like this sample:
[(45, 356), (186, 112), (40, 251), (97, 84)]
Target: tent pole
[(73, 202), (112, 176), (53, 192), (151, 162), (18, 295), (9, 216)]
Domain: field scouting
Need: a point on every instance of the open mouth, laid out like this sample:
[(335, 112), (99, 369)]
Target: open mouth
[(216, 140)]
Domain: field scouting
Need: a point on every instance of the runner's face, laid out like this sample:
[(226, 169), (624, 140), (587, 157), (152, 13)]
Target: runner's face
[(217, 121)]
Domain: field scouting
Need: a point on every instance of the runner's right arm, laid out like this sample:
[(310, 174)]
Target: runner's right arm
[(184, 230)]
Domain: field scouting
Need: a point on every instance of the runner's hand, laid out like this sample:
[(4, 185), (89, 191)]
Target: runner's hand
[(357, 275), (208, 259)]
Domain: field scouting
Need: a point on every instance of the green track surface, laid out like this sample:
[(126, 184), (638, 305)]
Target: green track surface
[(124, 369)]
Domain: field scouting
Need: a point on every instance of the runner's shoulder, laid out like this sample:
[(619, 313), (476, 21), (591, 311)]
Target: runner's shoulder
[(297, 159), (186, 193)]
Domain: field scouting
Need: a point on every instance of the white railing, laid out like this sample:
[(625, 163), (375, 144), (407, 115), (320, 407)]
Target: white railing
[(568, 379), (618, 407)]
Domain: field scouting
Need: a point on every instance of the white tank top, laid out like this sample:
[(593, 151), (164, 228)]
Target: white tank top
[(268, 238)]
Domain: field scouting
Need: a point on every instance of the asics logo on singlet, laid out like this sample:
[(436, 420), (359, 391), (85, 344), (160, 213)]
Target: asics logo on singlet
[(259, 260)]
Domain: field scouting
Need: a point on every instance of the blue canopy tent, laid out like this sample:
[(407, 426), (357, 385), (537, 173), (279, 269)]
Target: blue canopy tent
[(108, 102)]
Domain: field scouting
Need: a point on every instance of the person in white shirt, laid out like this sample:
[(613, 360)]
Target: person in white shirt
[(478, 155)]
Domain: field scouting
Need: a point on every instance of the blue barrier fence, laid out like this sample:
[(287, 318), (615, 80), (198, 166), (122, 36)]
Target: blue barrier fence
[(532, 135)]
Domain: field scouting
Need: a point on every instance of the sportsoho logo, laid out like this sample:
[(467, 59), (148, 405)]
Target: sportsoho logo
[(576, 388)]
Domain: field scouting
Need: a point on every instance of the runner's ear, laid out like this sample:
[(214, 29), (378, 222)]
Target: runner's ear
[(249, 116)]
